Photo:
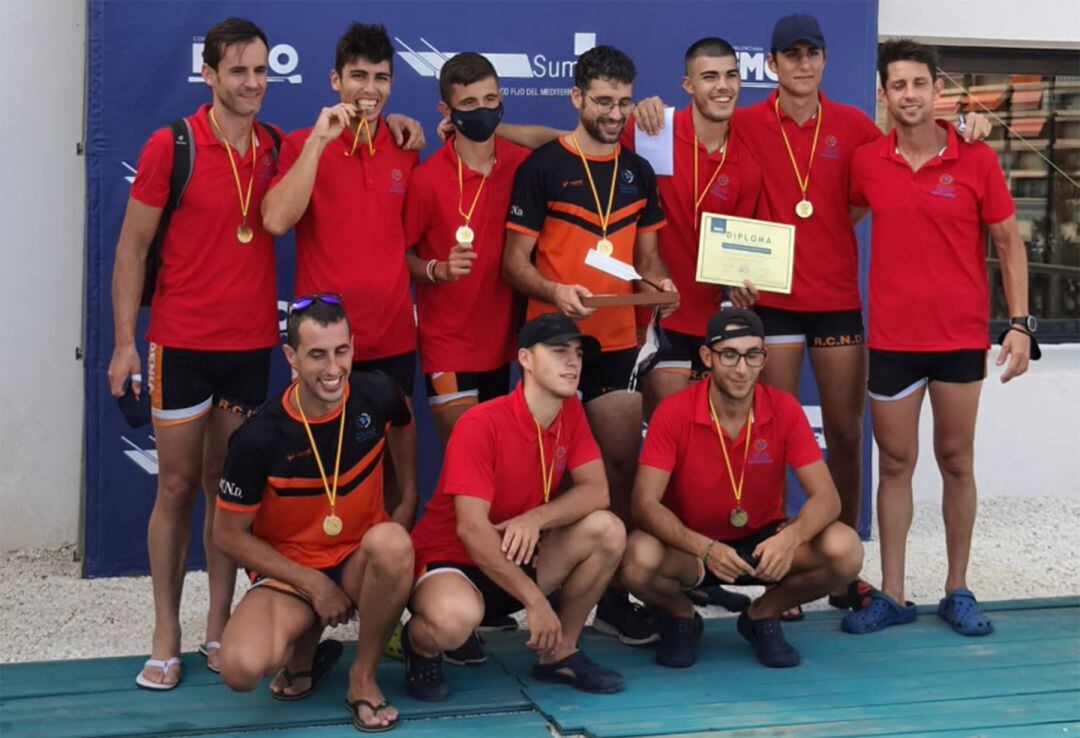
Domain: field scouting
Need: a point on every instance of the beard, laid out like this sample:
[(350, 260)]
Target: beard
[(592, 127)]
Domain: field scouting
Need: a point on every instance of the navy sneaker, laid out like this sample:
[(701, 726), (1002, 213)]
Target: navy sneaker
[(580, 672), (424, 678), (469, 653), (617, 616), (678, 641), (767, 638)]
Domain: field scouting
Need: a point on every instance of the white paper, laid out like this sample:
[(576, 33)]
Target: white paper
[(659, 150), (611, 265)]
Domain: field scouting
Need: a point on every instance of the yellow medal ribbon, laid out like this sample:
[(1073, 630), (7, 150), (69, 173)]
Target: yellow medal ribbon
[(737, 489), (700, 197), (547, 474), (604, 217), (331, 492), (245, 200), (363, 124), (461, 193), (804, 184)]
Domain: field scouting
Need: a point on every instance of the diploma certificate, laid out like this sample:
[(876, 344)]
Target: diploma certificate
[(734, 249)]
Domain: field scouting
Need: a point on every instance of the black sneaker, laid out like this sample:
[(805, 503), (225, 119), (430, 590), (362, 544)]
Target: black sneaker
[(678, 641), (424, 678), (730, 601), (767, 638), (630, 623), (469, 653), (503, 622), (580, 672)]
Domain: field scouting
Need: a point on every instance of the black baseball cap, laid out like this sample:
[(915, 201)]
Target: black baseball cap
[(733, 322), (554, 329), (791, 29)]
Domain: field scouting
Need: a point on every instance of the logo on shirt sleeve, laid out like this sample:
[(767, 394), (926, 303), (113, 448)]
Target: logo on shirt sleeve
[(230, 489)]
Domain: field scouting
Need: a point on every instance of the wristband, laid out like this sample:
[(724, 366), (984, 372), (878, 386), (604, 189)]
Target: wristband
[(430, 271), (705, 556)]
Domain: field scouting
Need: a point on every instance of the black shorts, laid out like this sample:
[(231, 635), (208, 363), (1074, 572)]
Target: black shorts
[(606, 372), (184, 383), (815, 329), (446, 390), (745, 546), (401, 368), (896, 374), (262, 581), (497, 601), (682, 355)]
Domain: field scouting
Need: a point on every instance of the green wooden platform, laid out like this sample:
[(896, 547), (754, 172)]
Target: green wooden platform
[(920, 679)]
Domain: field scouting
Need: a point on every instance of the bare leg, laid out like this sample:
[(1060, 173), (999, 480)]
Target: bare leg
[(446, 608), (268, 630), (659, 383), (615, 419), (444, 418), (658, 574)]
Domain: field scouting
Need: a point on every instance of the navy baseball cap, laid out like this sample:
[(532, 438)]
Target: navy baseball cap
[(733, 322), (554, 329), (791, 29)]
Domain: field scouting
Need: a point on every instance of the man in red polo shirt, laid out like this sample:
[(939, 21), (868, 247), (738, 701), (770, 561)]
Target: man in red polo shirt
[(342, 184), (455, 224), (501, 534), (708, 514), (213, 320), (932, 196)]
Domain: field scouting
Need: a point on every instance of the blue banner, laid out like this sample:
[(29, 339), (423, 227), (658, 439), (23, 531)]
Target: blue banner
[(144, 71)]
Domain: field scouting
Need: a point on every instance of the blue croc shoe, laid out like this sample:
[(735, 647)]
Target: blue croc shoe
[(580, 672), (882, 612), (960, 610), (678, 641), (767, 638)]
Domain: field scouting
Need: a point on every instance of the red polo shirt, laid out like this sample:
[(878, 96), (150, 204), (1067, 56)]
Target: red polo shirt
[(735, 191), (213, 293), (928, 289), (467, 325), (493, 455), (350, 239), (682, 440), (826, 275)]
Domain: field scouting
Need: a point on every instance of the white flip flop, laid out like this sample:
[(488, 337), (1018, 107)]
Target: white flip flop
[(205, 649), (164, 666)]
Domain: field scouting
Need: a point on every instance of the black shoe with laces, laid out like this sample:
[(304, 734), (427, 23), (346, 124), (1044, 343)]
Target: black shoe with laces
[(767, 638), (630, 623), (424, 678), (678, 641), (469, 653)]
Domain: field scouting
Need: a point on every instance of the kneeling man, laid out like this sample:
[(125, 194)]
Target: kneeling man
[(709, 501), (499, 536), (301, 506)]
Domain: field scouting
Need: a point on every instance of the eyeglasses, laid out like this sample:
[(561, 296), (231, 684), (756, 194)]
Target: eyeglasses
[(730, 357), (606, 104), (302, 303)]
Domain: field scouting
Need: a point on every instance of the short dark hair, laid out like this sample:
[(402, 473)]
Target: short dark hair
[(904, 49), (368, 41), (464, 69), (222, 35), (323, 313), (605, 62), (710, 46)]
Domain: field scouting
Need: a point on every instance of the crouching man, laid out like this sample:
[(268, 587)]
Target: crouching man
[(301, 506), (499, 536), (709, 501)]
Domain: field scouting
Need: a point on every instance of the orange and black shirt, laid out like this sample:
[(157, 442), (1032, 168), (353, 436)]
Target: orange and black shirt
[(270, 470), (553, 202)]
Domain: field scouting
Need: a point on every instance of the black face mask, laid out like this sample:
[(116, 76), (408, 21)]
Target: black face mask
[(477, 125)]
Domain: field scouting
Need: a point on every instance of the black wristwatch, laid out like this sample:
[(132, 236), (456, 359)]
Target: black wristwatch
[(1027, 322)]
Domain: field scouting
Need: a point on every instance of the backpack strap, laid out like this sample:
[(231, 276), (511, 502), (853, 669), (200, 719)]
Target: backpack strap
[(274, 134), (182, 167)]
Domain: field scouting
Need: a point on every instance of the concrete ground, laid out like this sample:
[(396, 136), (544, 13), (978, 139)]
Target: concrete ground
[(1023, 548)]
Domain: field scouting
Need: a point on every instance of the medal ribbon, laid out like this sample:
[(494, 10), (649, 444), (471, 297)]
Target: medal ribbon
[(331, 493), (804, 184), (547, 473), (245, 200), (737, 489), (700, 197), (461, 193), (604, 217), (363, 124)]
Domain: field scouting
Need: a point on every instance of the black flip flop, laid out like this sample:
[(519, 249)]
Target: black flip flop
[(326, 655), (354, 710)]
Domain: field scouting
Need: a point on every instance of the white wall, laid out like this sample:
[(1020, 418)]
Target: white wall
[(1034, 23), (42, 252)]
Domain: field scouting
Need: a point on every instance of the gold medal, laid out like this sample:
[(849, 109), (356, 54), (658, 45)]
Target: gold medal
[(464, 234), (605, 247), (332, 524), (739, 518), (804, 209), (244, 234)]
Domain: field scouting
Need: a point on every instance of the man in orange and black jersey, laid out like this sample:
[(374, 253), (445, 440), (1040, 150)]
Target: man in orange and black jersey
[(579, 193), (301, 506)]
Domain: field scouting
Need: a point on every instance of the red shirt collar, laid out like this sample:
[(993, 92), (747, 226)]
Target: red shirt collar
[(763, 406), (684, 131), (812, 120), (450, 157), (525, 420), (203, 129), (951, 150)]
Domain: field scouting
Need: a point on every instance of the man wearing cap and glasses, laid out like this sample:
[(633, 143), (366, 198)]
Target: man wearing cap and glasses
[(499, 536), (301, 506), (709, 501)]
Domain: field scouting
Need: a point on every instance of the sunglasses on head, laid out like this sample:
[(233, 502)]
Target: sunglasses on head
[(302, 303)]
